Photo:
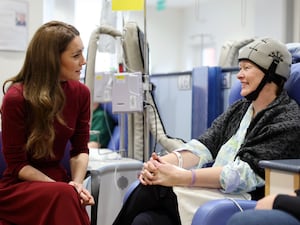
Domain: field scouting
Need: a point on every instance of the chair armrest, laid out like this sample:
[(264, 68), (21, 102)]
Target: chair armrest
[(281, 176), (217, 212), (130, 190), (289, 165)]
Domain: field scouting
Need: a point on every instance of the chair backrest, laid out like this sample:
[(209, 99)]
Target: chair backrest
[(114, 143), (234, 93), (292, 86), (65, 161), (2, 161), (293, 83)]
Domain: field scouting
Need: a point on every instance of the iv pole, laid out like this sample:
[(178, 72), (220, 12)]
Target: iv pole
[(147, 89)]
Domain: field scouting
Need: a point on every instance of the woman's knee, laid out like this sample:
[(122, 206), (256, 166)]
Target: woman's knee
[(63, 190), (151, 218), (141, 219)]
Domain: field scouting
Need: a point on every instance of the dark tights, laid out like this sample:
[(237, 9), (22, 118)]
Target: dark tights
[(150, 205), (151, 217)]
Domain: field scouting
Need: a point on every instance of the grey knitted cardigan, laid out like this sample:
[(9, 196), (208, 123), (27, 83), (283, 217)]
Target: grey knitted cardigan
[(274, 133)]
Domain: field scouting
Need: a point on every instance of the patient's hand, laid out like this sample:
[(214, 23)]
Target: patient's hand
[(159, 172)]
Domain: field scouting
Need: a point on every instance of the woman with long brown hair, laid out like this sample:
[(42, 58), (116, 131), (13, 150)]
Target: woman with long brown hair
[(45, 106)]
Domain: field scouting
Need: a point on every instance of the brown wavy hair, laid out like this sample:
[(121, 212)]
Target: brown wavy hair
[(41, 82)]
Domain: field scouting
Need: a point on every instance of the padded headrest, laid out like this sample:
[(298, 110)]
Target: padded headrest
[(292, 86), (133, 49), (294, 49), (234, 93)]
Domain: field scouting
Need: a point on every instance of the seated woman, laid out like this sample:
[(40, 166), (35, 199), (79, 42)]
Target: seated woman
[(273, 209), (45, 106), (265, 124)]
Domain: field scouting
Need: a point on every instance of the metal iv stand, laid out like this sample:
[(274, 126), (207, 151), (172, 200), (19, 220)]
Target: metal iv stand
[(146, 89)]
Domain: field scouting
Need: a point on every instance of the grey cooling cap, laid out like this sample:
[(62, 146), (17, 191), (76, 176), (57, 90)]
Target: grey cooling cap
[(264, 51)]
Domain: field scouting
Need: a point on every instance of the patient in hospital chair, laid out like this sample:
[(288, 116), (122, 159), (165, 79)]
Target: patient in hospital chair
[(264, 125)]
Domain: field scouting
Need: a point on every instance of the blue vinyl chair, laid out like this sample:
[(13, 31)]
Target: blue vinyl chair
[(2, 161), (217, 212), (114, 143), (130, 189), (65, 160)]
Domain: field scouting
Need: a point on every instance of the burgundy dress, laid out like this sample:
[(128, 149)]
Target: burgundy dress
[(43, 203)]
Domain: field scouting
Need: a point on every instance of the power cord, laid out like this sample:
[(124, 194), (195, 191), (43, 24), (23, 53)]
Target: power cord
[(155, 118)]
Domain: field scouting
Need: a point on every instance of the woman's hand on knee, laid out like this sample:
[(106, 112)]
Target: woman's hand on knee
[(85, 196)]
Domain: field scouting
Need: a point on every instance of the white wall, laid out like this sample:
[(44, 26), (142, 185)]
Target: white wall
[(219, 21), (165, 32), (41, 11), (11, 61), (175, 35)]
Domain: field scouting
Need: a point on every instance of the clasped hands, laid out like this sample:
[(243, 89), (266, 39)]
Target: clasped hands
[(156, 171), (85, 197)]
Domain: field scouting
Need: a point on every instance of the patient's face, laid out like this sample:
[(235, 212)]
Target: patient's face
[(250, 76)]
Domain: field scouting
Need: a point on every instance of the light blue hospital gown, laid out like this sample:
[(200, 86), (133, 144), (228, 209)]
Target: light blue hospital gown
[(237, 176)]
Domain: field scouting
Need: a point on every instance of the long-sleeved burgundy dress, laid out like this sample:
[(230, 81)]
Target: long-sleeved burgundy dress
[(43, 203)]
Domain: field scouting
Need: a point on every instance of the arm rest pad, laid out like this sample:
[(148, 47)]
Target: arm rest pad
[(219, 211)]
